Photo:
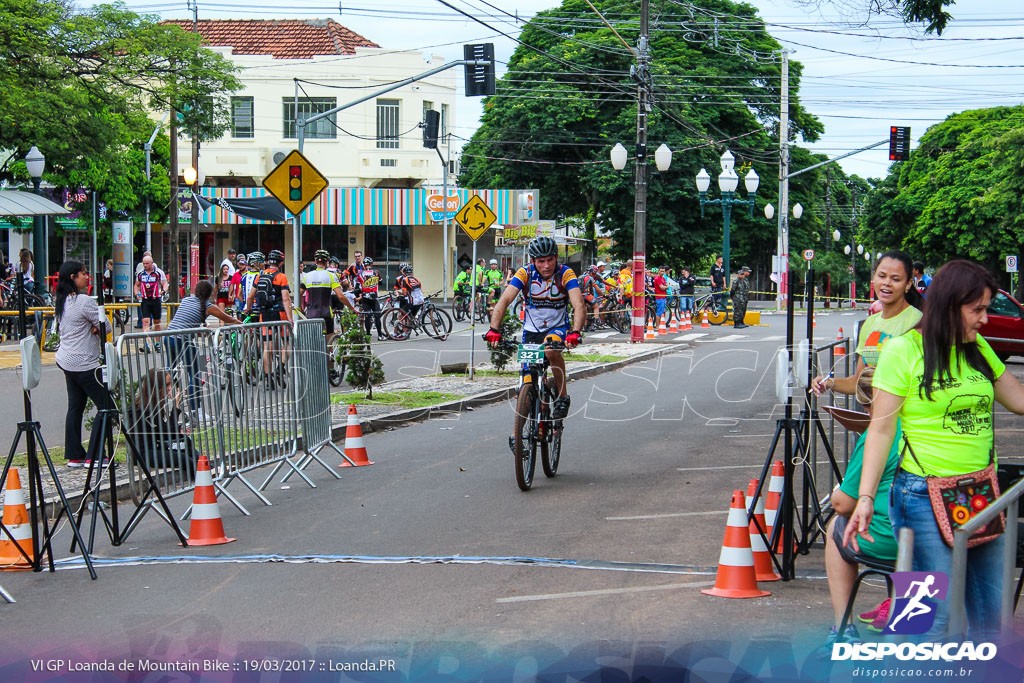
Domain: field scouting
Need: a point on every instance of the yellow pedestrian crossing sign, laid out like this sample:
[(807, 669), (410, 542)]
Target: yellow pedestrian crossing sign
[(475, 217), (295, 182)]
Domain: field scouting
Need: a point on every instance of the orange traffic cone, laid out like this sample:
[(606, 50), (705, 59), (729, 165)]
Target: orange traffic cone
[(840, 351), (736, 577), (662, 330), (773, 501), (673, 328), (16, 521), (206, 528), (687, 324), (355, 451), (704, 324), (814, 320), (649, 334), (762, 558)]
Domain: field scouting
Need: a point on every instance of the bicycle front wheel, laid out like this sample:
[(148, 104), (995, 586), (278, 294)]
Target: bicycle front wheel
[(437, 323), (525, 437), (551, 452)]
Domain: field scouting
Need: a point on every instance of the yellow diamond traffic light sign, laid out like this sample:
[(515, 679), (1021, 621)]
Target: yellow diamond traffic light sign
[(475, 217), (295, 182)]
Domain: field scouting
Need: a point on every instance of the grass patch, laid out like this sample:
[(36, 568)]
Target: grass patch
[(398, 399), (593, 357), (482, 373), (57, 455)]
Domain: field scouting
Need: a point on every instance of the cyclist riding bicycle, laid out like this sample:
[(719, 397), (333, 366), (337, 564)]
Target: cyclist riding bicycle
[(463, 284), (321, 285), (254, 265), (367, 284), (548, 289), (270, 290)]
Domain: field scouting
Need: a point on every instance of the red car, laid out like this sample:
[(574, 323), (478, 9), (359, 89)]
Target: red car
[(1004, 330)]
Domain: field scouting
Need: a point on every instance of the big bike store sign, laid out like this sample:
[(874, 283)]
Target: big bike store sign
[(436, 207)]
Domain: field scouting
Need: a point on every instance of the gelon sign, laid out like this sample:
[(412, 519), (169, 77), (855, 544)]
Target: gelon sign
[(435, 205)]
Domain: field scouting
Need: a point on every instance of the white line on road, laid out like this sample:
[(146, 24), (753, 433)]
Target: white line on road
[(665, 515), (748, 436), (723, 467), (774, 337), (606, 591), (727, 338), (691, 335), (601, 335)]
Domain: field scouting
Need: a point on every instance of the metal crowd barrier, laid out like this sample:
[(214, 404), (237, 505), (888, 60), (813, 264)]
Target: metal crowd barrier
[(314, 393), (167, 409), (257, 406)]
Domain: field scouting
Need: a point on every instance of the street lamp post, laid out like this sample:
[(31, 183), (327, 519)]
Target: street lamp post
[(194, 178), (727, 183), (35, 163), (851, 250), (663, 160)]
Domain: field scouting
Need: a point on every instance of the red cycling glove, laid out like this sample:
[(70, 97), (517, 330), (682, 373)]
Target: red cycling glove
[(573, 339), (492, 336)]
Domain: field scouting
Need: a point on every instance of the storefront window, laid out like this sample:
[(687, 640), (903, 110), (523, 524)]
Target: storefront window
[(333, 238), (388, 246)]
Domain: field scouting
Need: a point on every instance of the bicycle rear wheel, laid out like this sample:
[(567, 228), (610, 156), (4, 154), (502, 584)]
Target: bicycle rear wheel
[(525, 440), (335, 368), (396, 324)]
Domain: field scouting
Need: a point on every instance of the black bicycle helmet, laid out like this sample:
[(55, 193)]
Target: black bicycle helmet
[(321, 255), (275, 256), (367, 261), (257, 257), (406, 269), (335, 261), (543, 246)]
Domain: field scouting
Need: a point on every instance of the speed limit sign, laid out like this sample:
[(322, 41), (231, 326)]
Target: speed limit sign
[(1011, 264), (808, 254)]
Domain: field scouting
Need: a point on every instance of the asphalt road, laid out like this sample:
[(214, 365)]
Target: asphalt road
[(565, 576)]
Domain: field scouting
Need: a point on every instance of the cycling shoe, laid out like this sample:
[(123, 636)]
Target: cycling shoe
[(560, 408)]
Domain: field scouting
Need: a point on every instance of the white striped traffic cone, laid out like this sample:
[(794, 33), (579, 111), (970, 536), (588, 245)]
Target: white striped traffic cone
[(736, 577), (354, 448), (207, 527), (662, 330), (762, 558), (687, 323), (840, 349), (673, 327), (649, 335), (704, 324), (773, 501), (16, 521)]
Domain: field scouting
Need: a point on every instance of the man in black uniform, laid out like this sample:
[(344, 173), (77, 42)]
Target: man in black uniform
[(718, 281)]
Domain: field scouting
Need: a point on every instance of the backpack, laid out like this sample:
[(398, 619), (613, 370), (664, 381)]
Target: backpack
[(267, 296)]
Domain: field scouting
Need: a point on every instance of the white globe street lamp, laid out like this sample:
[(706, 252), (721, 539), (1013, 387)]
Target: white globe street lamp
[(663, 157), (619, 156), (728, 181)]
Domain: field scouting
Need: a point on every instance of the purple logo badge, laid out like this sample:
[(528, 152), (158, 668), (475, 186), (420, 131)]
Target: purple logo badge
[(916, 597)]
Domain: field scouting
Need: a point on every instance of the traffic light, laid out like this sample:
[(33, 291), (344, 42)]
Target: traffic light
[(431, 122), (899, 143), (295, 183), (480, 78)]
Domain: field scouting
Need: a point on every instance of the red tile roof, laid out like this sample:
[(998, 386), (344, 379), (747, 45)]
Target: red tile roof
[(281, 38)]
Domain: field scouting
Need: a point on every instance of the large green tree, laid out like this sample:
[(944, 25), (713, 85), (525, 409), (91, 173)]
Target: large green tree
[(931, 13), (79, 83), (959, 194), (568, 97)]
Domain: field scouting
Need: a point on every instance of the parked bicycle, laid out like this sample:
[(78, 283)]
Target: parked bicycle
[(398, 324), (716, 310)]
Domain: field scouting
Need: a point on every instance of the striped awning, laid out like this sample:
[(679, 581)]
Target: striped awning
[(21, 203)]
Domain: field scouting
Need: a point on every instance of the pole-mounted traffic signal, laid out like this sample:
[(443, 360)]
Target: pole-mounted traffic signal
[(431, 122), (480, 77), (295, 183), (899, 143)]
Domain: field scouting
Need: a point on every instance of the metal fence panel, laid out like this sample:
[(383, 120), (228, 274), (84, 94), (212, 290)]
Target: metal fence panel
[(314, 392), (166, 408), (258, 409)]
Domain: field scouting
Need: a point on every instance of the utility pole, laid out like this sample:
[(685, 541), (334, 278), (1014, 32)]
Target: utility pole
[(783, 237), (174, 264), (853, 254), (193, 277), (643, 104)]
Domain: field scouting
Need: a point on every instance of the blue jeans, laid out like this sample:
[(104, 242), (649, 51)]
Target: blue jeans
[(660, 306), (909, 506), (686, 303)]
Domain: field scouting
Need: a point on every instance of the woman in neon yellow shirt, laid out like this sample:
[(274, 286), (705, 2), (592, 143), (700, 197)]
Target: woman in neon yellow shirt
[(940, 380), (894, 282)]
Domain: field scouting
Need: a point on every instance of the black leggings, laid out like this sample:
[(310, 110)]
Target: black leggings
[(371, 304), (82, 386)]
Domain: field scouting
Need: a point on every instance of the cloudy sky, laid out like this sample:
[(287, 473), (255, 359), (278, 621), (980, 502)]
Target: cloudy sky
[(859, 79)]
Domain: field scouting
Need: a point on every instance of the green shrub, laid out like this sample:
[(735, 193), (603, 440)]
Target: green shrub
[(365, 370), (501, 356)]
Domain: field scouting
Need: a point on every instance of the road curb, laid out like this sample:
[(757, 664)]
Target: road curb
[(400, 418)]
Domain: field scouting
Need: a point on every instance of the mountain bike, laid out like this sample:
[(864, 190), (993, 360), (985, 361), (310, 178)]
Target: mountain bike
[(534, 428), (460, 307), (398, 324), (717, 312)]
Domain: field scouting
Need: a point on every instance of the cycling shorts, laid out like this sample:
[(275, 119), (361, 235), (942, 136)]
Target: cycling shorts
[(559, 332), (151, 308)]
